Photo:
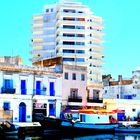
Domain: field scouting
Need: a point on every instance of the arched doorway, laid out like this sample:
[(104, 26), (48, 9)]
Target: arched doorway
[(22, 112)]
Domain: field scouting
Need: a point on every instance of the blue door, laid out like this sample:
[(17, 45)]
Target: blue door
[(23, 87), (52, 91), (38, 87), (51, 109), (22, 112)]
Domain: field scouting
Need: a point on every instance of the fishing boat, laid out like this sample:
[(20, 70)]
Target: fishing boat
[(86, 121), (90, 123)]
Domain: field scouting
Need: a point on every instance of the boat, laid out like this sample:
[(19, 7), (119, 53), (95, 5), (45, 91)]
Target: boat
[(78, 121), (132, 128), (8, 128), (90, 123), (50, 123)]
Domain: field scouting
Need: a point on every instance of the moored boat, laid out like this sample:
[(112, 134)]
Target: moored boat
[(90, 123), (79, 121), (9, 128)]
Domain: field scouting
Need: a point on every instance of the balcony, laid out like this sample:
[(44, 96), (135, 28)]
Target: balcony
[(75, 99), (8, 90), (39, 91), (91, 100)]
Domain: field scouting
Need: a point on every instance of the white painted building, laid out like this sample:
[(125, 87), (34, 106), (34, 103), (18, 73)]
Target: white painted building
[(136, 82), (69, 29), (131, 108), (25, 90), (123, 88)]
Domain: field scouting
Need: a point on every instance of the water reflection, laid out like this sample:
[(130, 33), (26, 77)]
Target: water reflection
[(116, 136)]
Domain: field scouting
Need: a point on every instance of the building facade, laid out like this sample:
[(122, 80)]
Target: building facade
[(118, 89), (74, 86), (70, 30), (26, 90), (130, 107)]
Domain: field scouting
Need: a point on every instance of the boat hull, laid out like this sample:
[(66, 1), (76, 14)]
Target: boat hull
[(79, 127), (127, 130)]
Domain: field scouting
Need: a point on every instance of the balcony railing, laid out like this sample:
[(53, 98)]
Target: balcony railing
[(75, 99), (39, 91), (8, 90), (91, 100)]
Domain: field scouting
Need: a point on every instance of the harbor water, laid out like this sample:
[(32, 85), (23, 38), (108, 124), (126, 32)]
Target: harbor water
[(54, 136)]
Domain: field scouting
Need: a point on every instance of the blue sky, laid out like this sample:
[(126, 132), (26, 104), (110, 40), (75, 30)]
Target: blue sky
[(122, 29)]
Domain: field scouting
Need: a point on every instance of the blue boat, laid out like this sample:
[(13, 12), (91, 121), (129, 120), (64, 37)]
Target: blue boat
[(133, 128)]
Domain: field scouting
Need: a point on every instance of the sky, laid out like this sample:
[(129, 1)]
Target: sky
[(121, 20)]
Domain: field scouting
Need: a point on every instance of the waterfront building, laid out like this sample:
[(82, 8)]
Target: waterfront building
[(118, 89), (68, 29), (74, 86), (26, 90), (131, 108)]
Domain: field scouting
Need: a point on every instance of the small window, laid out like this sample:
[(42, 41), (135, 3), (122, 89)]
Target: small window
[(74, 76), (47, 10), (66, 76), (133, 109), (82, 77), (6, 105), (51, 9)]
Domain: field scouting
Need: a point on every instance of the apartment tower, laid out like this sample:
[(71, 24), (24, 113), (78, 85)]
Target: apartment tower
[(69, 29)]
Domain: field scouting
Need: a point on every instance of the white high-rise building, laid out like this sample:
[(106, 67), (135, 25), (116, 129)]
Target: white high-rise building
[(70, 30)]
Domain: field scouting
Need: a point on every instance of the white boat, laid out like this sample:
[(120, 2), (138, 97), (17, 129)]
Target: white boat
[(90, 123)]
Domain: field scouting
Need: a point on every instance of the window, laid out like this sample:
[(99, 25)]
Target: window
[(82, 77), (80, 60), (68, 27), (68, 43), (51, 9), (80, 27), (69, 35), (52, 89), (80, 51), (133, 109), (74, 76), (68, 51), (47, 10), (80, 12), (74, 92), (8, 83), (6, 105), (66, 76), (80, 43), (68, 59)]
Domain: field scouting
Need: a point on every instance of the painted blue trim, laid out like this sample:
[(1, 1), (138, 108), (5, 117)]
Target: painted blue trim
[(38, 87), (23, 87), (22, 112), (52, 91)]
